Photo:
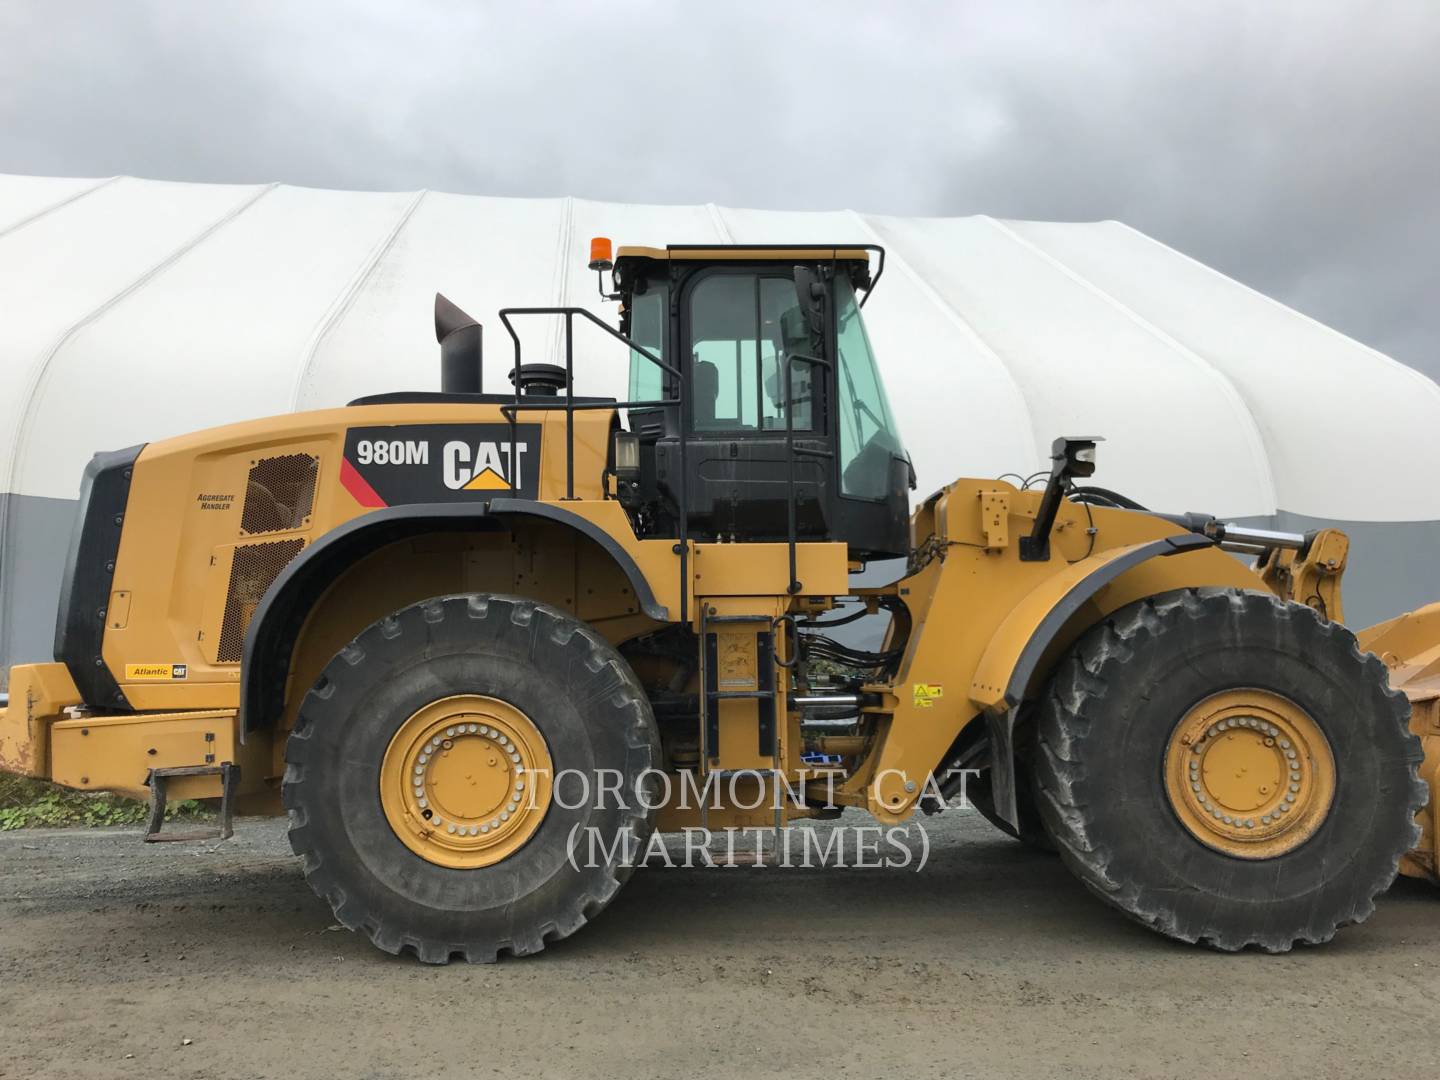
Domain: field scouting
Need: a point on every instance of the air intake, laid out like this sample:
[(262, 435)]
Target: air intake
[(280, 494), (253, 570)]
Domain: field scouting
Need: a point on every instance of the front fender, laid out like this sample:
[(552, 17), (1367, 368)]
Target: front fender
[(1012, 659), (1012, 663)]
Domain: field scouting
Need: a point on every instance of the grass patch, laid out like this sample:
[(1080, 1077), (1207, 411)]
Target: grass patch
[(26, 803)]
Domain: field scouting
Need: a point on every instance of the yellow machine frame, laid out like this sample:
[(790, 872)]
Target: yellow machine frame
[(987, 625)]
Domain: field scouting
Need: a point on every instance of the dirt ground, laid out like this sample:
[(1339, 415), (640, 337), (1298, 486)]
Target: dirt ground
[(990, 962)]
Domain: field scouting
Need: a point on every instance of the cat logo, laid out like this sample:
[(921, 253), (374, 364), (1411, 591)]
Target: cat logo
[(436, 463), (151, 672), (486, 467)]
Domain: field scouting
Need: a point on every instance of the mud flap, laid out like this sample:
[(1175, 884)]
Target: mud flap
[(1002, 764)]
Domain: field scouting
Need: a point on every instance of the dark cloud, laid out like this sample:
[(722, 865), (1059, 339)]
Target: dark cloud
[(1294, 146)]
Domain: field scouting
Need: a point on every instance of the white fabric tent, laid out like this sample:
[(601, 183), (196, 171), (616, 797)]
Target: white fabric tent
[(137, 309)]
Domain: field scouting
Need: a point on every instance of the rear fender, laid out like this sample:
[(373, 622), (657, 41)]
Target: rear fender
[(277, 622)]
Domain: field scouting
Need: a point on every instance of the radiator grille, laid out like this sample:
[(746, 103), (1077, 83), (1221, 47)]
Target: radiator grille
[(279, 494), (254, 569)]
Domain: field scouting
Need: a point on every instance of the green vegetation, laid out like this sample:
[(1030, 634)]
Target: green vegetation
[(25, 803)]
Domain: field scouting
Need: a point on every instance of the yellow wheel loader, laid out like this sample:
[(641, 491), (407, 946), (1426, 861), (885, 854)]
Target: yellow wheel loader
[(450, 632)]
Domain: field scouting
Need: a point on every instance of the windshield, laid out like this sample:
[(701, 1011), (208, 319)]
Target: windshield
[(868, 438)]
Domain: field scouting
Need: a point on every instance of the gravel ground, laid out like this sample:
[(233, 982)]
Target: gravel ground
[(205, 960)]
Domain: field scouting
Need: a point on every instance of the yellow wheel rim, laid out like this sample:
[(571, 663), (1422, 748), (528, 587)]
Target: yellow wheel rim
[(1249, 773), (466, 781)]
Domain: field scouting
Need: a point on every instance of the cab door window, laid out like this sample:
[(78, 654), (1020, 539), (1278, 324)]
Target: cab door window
[(742, 330)]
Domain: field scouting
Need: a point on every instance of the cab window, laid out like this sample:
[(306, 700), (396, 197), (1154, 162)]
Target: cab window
[(742, 330), (647, 329)]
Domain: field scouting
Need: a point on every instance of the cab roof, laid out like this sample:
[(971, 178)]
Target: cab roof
[(630, 260), (745, 252)]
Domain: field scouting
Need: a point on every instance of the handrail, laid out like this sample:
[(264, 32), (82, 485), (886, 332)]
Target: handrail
[(511, 412), (879, 271), (792, 526)]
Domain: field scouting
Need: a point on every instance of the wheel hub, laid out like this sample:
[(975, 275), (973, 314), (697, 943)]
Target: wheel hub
[(1249, 773), (466, 781)]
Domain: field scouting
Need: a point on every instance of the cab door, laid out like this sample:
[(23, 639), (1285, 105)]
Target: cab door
[(741, 324)]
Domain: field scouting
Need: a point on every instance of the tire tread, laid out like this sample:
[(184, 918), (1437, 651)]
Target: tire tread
[(1076, 702)]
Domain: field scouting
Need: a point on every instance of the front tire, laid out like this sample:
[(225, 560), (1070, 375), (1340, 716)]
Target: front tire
[(469, 698), (1228, 768)]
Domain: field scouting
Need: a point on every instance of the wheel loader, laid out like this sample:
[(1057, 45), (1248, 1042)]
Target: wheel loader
[(441, 629)]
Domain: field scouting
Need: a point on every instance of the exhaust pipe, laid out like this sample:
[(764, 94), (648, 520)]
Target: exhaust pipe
[(461, 345)]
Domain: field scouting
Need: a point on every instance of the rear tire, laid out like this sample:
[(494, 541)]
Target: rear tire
[(575, 690), (1105, 728)]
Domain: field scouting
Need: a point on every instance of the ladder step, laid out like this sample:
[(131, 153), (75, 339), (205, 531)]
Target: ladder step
[(158, 780), (711, 619), (732, 695)]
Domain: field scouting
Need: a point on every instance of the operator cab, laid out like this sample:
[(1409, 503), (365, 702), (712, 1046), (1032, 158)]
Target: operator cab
[(730, 322)]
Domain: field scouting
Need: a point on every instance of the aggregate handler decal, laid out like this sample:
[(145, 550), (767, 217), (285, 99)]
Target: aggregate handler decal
[(154, 672), (415, 463)]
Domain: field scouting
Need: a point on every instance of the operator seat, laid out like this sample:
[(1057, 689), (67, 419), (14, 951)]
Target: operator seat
[(705, 386)]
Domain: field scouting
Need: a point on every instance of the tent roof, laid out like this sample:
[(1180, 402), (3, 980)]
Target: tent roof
[(138, 309)]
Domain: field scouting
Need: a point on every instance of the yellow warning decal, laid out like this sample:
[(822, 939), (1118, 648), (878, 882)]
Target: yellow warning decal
[(926, 694), (151, 672)]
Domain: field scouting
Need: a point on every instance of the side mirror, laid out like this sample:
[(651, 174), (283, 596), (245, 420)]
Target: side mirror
[(1070, 456)]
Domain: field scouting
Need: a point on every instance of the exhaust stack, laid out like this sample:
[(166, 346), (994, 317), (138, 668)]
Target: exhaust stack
[(461, 346)]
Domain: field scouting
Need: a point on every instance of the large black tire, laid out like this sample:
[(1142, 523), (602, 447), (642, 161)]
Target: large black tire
[(571, 684), (1103, 730)]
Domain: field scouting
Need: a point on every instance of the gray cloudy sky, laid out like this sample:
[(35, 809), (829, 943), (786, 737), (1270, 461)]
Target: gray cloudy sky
[(1293, 145)]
